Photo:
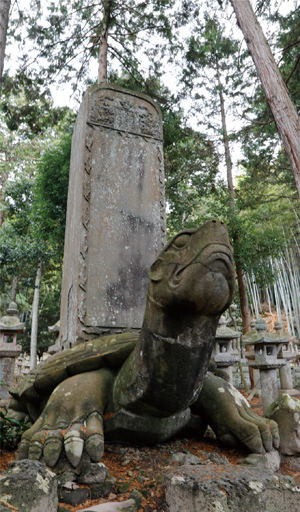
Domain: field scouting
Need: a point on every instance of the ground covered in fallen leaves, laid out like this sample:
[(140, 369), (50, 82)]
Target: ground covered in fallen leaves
[(143, 468)]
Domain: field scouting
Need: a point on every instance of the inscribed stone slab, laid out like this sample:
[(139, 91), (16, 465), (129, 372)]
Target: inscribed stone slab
[(116, 213)]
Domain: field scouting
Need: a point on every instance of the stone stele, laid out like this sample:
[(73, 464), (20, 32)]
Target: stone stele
[(115, 215)]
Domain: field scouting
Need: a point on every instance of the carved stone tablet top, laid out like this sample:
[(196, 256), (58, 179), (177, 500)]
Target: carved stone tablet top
[(120, 111)]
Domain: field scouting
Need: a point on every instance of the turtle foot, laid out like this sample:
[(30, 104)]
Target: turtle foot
[(232, 419), (71, 425)]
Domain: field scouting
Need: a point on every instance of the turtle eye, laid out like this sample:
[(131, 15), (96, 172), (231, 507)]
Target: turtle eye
[(181, 240)]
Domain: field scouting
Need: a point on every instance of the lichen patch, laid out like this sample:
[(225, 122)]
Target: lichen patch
[(257, 487), (43, 483), (238, 397), (177, 480)]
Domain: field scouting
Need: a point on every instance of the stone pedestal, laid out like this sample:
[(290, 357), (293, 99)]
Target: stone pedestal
[(228, 370), (256, 377), (288, 354), (286, 379), (224, 354), (10, 327), (8, 354), (269, 386), (115, 216), (266, 346)]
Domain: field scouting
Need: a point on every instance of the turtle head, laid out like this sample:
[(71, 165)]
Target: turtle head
[(195, 271)]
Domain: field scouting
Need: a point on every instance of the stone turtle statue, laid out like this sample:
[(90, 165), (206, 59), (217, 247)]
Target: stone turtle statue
[(146, 388)]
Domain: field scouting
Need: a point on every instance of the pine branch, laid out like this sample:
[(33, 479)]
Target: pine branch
[(293, 70)]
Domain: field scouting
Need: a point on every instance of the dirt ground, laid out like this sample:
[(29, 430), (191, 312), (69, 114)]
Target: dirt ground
[(143, 468)]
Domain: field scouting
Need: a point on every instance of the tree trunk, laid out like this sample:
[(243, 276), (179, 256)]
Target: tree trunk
[(3, 180), (226, 142), (14, 288), (4, 15), (35, 317), (102, 68), (283, 110), (245, 312)]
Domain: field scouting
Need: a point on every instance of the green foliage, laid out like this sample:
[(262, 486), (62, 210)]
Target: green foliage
[(11, 430), (34, 208), (67, 38), (190, 168), (27, 106), (212, 67), (18, 203), (49, 311), (50, 191)]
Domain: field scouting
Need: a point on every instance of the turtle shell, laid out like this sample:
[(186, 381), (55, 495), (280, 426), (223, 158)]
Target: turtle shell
[(108, 351)]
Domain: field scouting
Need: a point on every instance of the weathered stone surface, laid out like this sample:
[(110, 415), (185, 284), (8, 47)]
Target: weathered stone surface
[(28, 486), (216, 458), (186, 459), (94, 473), (137, 497), (128, 427), (8, 354), (270, 460), (286, 412), (74, 497), (126, 506), (234, 489), (103, 490), (116, 213), (10, 326)]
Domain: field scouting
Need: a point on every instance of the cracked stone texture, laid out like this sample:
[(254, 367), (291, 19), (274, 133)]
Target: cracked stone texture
[(28, 486), (286, 412), (236, 489)]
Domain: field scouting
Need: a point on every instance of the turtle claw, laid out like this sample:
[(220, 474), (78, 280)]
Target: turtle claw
[(95, 447), (74, 444), (53, 447), (253, 441), (94, 443), (35, 451), (23, 449), (275, 433)]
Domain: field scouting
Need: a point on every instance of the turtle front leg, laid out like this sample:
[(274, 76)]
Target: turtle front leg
[(231, 418), (71, 421)]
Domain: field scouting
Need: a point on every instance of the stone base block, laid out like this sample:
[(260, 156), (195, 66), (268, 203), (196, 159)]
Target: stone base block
[(269, 460), (28, 486), (291, 392), (230, 489)]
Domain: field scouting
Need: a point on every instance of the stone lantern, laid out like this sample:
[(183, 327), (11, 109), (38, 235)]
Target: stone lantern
[(10, 327), (225, 352), (266, 349), (287, 353)]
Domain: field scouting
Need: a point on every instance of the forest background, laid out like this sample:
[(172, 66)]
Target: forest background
[(223, 155)]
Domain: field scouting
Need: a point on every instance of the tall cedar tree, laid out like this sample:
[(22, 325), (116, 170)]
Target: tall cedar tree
[(65, 36), (211, 64), (282, 108), (4, 15)]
